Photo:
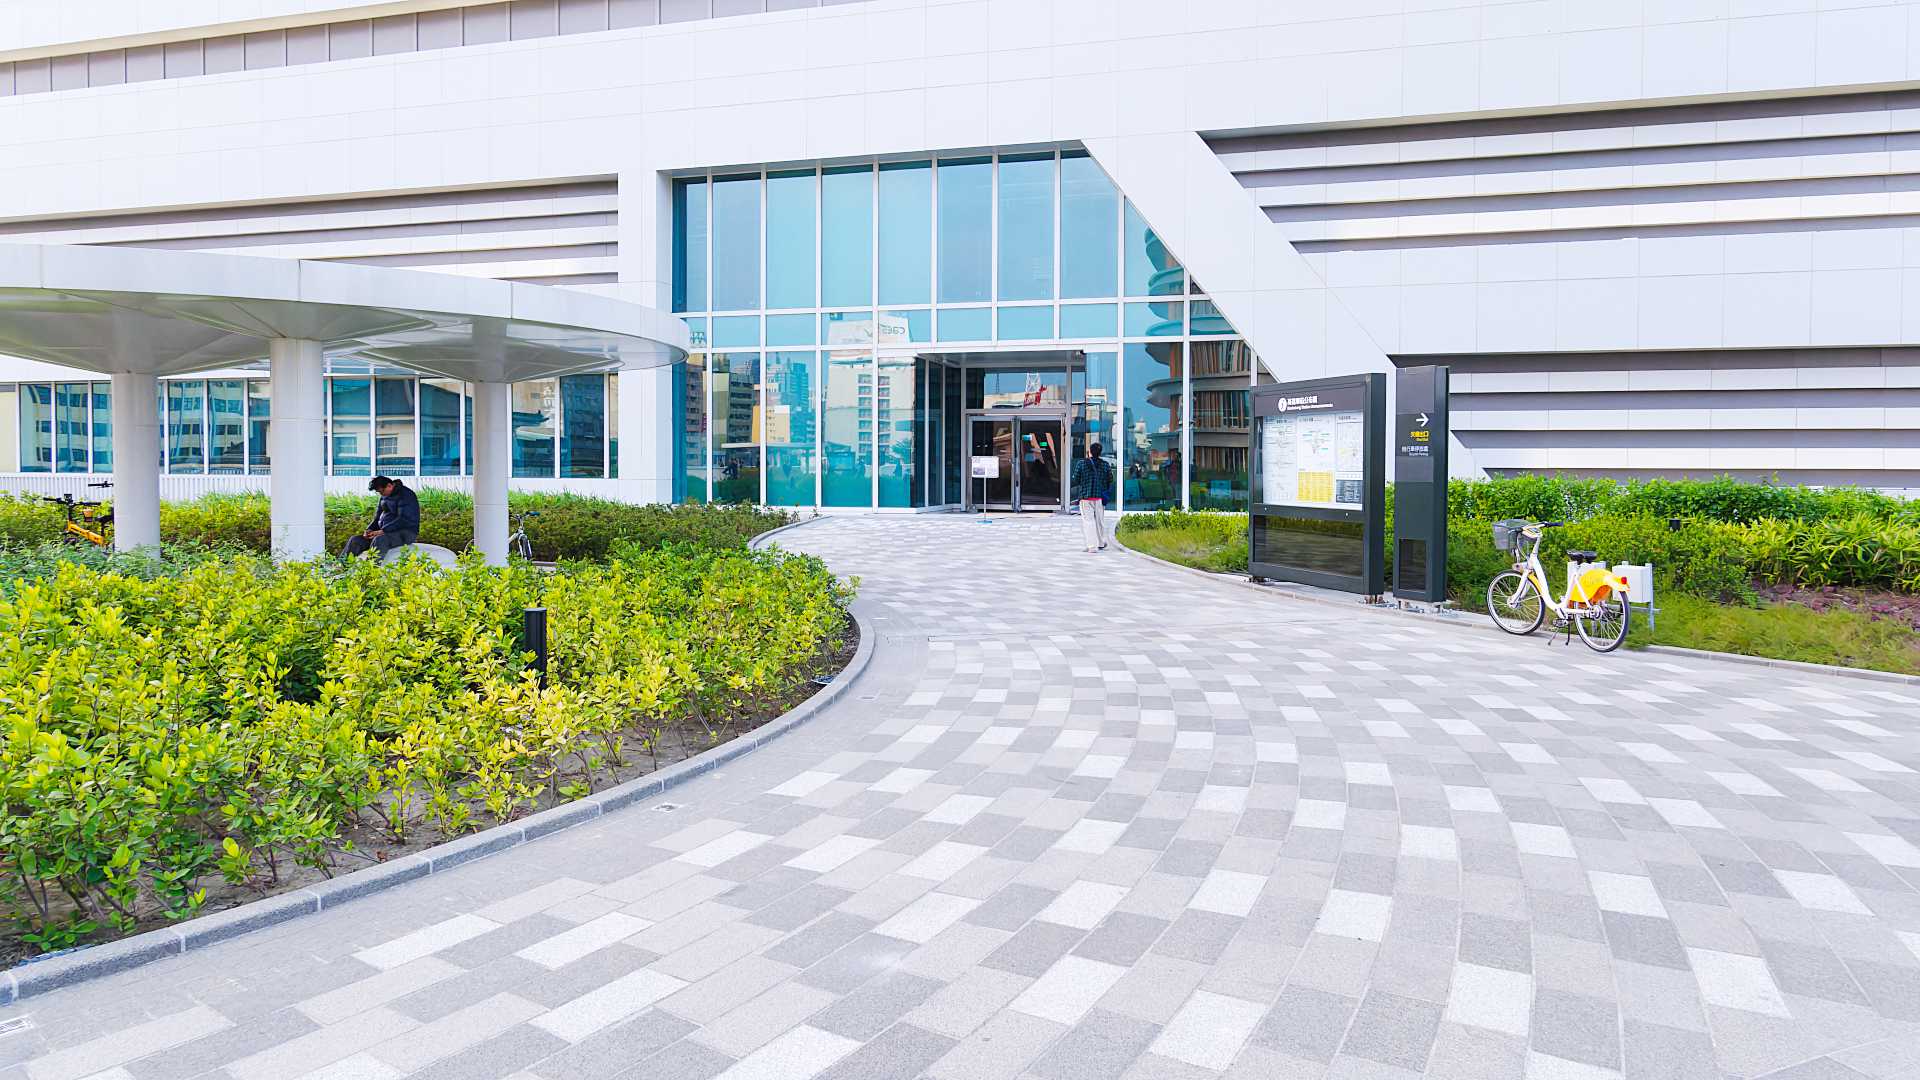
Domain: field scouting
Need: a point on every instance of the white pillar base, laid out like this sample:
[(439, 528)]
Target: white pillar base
[(136, 461), (296, 438), (492, 464)]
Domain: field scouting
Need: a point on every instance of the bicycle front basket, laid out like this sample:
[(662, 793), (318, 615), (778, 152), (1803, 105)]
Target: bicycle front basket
[(1506, 534)]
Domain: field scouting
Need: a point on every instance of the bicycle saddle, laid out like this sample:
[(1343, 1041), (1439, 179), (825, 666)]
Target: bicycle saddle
[(1584, 556)]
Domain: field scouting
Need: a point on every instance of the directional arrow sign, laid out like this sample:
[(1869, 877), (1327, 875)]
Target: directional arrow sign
[(1423, 419)]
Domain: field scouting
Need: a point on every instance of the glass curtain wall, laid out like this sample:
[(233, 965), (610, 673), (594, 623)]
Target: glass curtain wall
[(864, 261), (393, 424)]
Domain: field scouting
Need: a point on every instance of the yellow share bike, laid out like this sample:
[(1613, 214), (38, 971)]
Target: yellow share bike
[(1595, 603), (87, 523)]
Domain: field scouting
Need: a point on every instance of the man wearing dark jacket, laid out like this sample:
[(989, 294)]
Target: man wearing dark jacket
[(395, 523)]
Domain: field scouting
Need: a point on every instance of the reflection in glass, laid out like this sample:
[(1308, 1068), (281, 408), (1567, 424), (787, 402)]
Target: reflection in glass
[(790, 210), (906, 232), (1088, 320), (440, 427), (1207, 319), (583, 432), (349, 426), (894, 399), (1220, 375), (1089, 249), (1016, 389), (736, 243), (1096, 407), (1151, 270), (966, 231), (227, 426), (187, 426), (1026, 227), (928, 418), (847, 431), (613, 425), (1026, 323), (535, 413), (690, 421), (102, 427), (791, 427), (396, 448), (966, 324), (790, 329), (736, 331), (71, 434), (1150, 425), (36, 427), (846, 236), (735, 385), (1163, 318), (689, 245), (952, 459)]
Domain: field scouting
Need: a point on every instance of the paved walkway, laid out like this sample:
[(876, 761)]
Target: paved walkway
[(1090, 817)]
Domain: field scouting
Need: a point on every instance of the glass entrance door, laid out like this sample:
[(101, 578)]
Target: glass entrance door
[(1041, 461), (991, 467), (1016, 462)]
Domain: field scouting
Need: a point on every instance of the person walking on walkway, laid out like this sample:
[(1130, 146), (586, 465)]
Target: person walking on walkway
[(396, 522), (1092, 487)]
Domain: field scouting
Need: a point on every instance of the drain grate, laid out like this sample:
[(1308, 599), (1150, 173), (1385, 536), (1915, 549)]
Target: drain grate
[(15, 1026)]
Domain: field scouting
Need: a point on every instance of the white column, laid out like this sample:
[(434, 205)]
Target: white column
[(647, 427), (492, 441), (296, 438), (136, 461)]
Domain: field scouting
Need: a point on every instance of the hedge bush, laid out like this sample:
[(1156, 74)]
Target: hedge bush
[(567, 526), (237, 717), (1565, 498)]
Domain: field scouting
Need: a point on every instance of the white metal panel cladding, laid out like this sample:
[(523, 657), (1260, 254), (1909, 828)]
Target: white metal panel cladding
[(563, 233)]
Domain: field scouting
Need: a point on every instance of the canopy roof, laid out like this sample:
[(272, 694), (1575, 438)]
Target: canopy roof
[(163, 312)]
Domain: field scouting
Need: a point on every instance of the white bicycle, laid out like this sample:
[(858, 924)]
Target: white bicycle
[(1595, 602), (519, 543)]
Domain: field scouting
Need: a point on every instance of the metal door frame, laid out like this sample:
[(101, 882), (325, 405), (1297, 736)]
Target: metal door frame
[(1056, 414)]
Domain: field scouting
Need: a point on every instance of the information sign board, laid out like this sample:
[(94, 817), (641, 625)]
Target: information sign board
[(1420, 483), (1319, 490)]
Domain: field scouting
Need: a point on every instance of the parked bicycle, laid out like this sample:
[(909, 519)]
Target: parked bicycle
[(518, 542), (87, 523), (1594, 604)]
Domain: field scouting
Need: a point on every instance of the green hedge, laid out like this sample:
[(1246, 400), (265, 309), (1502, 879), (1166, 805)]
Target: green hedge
[(1563, 498), (237, 717), (567, 526)]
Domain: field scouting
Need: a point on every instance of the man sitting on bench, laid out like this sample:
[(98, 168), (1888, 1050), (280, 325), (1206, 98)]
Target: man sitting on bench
[(396, 522)]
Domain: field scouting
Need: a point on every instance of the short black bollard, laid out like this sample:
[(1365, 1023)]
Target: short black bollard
[(533, 638)]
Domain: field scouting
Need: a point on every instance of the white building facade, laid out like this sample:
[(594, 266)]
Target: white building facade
[(1669, 238)]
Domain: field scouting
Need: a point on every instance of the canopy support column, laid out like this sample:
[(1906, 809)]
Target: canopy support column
[(492, 438), (136, 461), (296, 438)]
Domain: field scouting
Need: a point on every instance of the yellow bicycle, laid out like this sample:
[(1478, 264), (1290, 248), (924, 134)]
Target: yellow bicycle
[(1595, 603), (87, 522)]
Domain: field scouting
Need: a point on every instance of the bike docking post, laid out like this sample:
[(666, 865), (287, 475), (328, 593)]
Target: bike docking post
[(533, 639)]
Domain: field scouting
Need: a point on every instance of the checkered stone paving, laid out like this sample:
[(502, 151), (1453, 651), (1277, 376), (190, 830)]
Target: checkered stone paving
[(1087, 816)]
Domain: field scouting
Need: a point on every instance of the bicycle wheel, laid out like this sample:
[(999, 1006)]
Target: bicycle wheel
[(523, 547), (1604, 626), (1515, 603)]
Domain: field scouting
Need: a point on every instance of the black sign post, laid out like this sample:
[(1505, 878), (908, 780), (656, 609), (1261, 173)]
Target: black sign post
[(1318, 483), (1420, 484)]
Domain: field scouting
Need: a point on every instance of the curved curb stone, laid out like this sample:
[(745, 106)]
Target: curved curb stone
[(41, 976), (1477, 624)]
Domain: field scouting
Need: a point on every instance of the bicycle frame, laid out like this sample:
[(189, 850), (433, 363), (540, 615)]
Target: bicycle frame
[(1584, 592), (83, 529)]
